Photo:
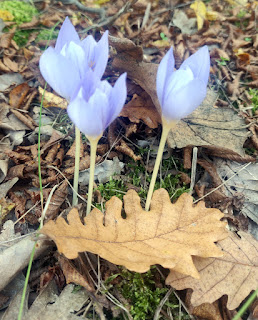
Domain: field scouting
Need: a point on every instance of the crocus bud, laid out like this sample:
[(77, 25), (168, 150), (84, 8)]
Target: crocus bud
[(181, 92), (96, 104), (64, 66)]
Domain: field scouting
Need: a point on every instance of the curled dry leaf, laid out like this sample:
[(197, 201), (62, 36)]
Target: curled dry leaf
[(124, 148), (72, 275), (169, 234), (18, 94), (141, 109), (57, 200), (234, 274)]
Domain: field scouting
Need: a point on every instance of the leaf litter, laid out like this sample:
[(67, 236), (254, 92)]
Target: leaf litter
[(224, 127)]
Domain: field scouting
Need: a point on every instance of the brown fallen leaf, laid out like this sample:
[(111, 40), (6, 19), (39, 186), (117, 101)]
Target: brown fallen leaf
[(6, 38), (141, 109), (25, 118), (234, 274), (169, 234), (129, 58), (124, 148), (18, 94), (57, 200), (72, 275), (12, 65)]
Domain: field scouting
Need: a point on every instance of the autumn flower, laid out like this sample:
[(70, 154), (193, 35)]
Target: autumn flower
[(64, 66), (96, 104), (179, 93)]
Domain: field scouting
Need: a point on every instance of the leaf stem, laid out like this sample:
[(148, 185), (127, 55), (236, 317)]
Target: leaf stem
[(76, 165), (93, 150), (165, 130)]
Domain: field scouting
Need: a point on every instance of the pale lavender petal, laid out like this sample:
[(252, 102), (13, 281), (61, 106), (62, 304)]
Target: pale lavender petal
[(104, 86), (179, 105), (199, 63), (76, 54), (88, 45), (89, 116), (89, 84), (101, 55), (165, 69), (177, 81), (117, 98), (66, 34), (59, 73)]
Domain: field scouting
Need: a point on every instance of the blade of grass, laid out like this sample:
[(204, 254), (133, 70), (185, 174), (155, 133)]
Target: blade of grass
[(41, 194), (248, 302)]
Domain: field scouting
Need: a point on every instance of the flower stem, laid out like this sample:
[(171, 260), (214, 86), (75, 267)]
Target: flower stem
[(93, 150), (165, 130), (76, 165)]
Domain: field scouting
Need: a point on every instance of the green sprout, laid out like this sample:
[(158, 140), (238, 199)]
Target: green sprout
[(44, 34), (241, 14), (223, 61), (163, 36), (254, 99)]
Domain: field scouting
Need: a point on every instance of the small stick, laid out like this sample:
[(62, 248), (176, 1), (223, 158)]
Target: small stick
[(193, 172)]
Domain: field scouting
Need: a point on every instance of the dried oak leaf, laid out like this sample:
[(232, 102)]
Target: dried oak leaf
[(234, 274), (169, 234)]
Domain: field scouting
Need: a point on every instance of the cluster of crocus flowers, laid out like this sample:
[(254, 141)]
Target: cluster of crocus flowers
[(74, 69), (179, 93)]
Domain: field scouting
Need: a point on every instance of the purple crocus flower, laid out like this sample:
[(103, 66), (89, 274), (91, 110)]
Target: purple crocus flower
[(181, 92), (96, 104), (64, 66)]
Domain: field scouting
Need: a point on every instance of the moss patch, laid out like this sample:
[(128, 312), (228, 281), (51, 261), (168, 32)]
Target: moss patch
[(21, 11)]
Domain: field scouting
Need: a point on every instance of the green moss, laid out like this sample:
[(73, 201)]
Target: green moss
[(254, 99), (47, 34), (142, 293), (112, 188), (22, 37), (22, 11)]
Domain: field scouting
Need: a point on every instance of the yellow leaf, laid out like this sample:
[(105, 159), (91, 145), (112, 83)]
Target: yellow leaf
[(51, 100), (101, 2), (238, 2), (211, 15), (5, 208), (161, 43), (200, 11), (6, 15), (168, 234)]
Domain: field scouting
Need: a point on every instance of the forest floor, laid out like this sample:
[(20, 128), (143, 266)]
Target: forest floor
[(210, 154)]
